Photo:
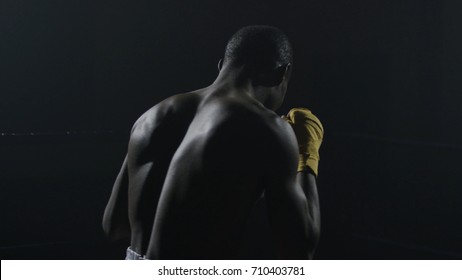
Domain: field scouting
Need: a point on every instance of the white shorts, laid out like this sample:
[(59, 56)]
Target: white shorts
[(132, 255)]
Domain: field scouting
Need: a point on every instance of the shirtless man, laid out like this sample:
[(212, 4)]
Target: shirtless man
[(197, 162)]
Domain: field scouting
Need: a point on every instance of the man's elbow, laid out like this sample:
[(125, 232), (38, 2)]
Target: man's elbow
[(107, 229), (113, 232)]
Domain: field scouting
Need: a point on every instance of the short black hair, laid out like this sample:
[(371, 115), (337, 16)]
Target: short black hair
[(260, 47)]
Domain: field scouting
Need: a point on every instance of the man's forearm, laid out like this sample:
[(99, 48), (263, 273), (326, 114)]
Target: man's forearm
[(308, 183), (115, 218)]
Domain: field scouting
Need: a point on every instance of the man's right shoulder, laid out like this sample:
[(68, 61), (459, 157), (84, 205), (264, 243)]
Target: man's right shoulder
[(255, 131), (263, 122)]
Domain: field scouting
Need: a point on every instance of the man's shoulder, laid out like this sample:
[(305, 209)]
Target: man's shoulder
[(254, 124), (182, 103), (163, 121), (257, 140), (262, 121)]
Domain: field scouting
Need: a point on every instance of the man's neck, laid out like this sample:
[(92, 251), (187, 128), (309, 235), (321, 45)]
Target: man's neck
[(233, 79)]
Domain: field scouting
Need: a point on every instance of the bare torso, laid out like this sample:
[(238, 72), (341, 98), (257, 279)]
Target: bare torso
[(194, 175)]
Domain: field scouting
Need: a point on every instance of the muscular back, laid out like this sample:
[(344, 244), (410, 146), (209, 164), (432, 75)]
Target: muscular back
[(197, 163)]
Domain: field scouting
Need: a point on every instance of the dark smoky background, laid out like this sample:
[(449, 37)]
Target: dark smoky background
[(384, 77)]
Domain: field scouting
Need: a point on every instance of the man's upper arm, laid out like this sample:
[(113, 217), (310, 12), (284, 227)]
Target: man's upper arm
[(286, 201), (115, 220), (140, 152)]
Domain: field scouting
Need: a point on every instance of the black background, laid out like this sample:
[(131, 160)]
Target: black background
[(384, 77)]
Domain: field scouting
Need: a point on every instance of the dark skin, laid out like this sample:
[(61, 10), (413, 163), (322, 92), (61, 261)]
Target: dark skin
[(198, 162)]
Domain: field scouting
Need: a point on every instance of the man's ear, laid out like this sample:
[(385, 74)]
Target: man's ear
[(220, 64)]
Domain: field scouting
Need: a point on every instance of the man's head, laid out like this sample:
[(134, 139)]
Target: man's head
[(259, 47), (266, 55)]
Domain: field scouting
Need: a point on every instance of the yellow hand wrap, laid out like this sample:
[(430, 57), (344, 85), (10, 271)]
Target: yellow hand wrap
[(309, 132)]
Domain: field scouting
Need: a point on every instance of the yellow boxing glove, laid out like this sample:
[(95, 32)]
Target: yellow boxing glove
[(309, 132)]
